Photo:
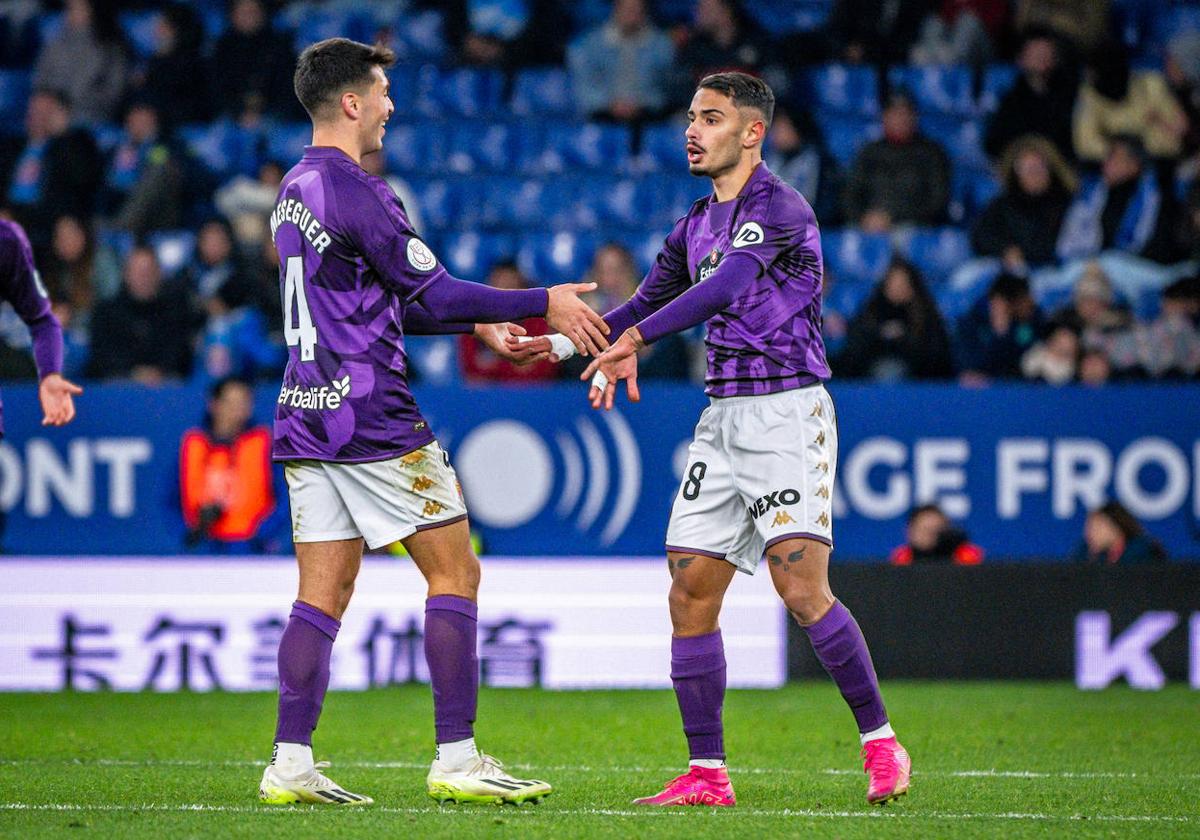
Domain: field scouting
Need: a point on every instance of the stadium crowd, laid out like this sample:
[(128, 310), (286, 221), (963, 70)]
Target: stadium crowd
[(1007, 188)]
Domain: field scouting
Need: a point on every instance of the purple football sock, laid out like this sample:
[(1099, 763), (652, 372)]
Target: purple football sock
[(303, 671), (698, 672), (450, 623), (841, 648)]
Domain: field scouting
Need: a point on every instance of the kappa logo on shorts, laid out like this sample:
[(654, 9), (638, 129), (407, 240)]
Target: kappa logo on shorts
[(421, 483), (749, 234), (782, 518), (433, 508), (777, 498)]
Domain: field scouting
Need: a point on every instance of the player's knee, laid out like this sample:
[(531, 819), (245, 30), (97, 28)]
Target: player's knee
[(807, 604)]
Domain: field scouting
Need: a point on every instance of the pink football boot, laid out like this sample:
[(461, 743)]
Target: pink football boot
[(888, 767), (699, 786)]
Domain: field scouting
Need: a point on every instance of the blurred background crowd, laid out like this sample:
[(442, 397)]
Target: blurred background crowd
[(1007, 188)]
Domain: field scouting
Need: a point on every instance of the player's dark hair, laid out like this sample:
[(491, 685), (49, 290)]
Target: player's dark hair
[(745, 90), (328, 68)]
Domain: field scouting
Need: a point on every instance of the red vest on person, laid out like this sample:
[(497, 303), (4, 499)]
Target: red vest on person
[(233, 476)]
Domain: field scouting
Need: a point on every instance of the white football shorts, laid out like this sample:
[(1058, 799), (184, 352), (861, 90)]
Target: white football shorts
[(380, 501), (759, 470)]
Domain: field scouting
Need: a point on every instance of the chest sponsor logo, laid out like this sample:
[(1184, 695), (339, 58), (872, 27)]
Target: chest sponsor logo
[(749, 234), (324, 398), (708, 265), (419, 255), (774, 499)]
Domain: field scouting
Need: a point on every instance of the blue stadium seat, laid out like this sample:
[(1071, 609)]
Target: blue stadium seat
[(286, 141), (1173, 19), (416, 147), (438, 200), (416, 36), (844, 89), (854, 256), (107, 136), (937, 252), (49, 26), (663, 147), (120, 242), (643, 245), (542, 92), (998, 79), (462, 92), (318, 23), (559, 257), (961, 138), (14, 96), (783, 16), (470, 255), (138, 28), (845, 297), (519, 203), (174, 249), (971, 190), (954, 301), (570, 146), (224, 147), (938, 89), (475, 146), (846, 134)]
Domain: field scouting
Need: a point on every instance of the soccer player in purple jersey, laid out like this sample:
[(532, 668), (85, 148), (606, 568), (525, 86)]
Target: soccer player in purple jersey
[(361, 462), (747, 262), (21, 286)]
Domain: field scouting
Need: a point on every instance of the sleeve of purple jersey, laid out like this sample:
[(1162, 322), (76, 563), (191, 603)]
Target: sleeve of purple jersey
[(451, 299), (702, 301), (418, 321), (23, 288), (666, 280)]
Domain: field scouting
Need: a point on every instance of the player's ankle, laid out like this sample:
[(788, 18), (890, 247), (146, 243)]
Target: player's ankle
[(292, 760), (456, 755), (884, 731), (708, 763)]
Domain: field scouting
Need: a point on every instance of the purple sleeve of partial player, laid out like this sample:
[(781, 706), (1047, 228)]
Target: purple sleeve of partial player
[(21, 286), (450, 299), (665, 281), (704, 300), (418, 321)]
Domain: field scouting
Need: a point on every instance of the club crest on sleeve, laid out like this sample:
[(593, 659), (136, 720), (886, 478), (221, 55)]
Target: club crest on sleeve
[(419, 255), (748, 234)]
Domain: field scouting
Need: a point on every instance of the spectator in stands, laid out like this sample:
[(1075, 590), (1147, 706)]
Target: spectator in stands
[(720, 38), (1122, 209), (265, 293), (79, 270), (1082, 23), (1040, 102), (1182, 72), (252, 65), (1168, 346), (247, 202), (480, 364), (145, 332), (961, 32), (235, 340), (1020, 227), (1095, 370), (903, 178), (75, 341), (86, 60), (898, 333), (175, 79), (1055, 359), (215, 261), (930, 537), (875, 31), (1113, 536), (1118, 101), (55, 170), (796, 152), (620, 70), (997, 332), (226, 479), (505, 34), (1093, 313), (615, 274), (143, 187)]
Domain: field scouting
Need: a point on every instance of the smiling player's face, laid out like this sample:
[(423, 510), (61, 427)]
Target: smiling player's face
[(716, 134), (375, 109)]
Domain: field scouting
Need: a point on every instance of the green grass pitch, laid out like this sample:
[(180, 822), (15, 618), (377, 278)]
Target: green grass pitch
[(990, 760)]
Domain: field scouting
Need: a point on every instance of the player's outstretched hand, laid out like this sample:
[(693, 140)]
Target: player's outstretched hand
[(508, 342), (616, 363), (55, 393), (575, 319), (556, 346)]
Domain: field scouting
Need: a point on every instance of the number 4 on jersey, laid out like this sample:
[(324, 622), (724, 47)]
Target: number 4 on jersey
[(304, 333)]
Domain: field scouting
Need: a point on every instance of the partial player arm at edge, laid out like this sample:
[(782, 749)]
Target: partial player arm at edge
[(419, 321)]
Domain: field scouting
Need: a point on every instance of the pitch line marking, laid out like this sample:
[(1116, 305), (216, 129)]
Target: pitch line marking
[(582, 768), (199, 807)]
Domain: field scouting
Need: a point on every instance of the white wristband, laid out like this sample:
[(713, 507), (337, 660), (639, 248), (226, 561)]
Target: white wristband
[(560, 345)]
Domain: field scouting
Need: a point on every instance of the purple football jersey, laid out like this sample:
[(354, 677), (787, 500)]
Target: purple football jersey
[(769, 338), (349, 265), (21, 286)]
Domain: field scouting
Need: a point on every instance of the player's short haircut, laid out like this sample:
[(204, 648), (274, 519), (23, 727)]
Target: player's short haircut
[(328, 68), (745, 90)]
